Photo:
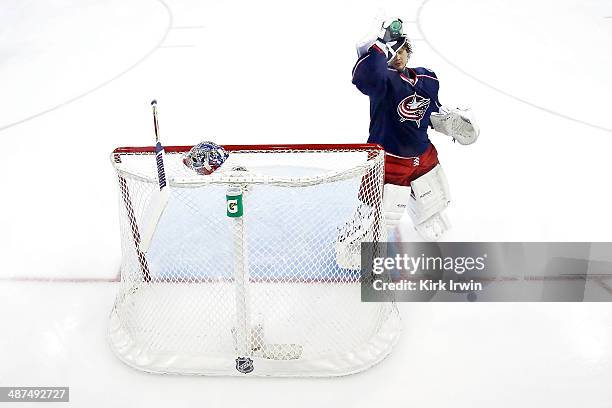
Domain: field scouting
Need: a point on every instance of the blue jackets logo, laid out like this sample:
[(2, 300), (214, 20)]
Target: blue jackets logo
[(413, 108)]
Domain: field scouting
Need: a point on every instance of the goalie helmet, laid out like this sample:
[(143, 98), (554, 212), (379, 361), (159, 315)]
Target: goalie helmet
[(206, 157)]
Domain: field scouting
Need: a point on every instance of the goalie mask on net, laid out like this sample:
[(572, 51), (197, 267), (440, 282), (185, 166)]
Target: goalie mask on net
[(206, 157)]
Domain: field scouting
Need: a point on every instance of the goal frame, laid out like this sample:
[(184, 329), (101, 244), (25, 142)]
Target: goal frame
[(367, 357)]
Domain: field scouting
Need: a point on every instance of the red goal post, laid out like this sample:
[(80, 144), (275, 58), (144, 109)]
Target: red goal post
[(263, 147)]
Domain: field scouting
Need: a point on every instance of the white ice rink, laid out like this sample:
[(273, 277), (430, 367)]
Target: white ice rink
[(76, 79)]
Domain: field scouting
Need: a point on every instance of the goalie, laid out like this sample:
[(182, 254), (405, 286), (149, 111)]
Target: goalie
[(403, 104)]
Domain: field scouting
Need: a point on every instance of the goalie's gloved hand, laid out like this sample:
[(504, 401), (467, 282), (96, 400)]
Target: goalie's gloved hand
[(391, 30), (391, 38), (459, 123)]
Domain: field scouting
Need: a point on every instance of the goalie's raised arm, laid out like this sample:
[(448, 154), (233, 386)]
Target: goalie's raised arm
[(370, 71), (377, 54)]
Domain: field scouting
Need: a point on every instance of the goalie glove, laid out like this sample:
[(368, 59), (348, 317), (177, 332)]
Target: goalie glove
[(364, 46), (457, 123), (389, 41)]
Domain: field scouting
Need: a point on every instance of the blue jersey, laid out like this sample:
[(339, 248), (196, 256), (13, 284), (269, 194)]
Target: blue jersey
[(400, 103)]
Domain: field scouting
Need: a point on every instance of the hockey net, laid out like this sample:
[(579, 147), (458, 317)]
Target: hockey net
[(274, 290)]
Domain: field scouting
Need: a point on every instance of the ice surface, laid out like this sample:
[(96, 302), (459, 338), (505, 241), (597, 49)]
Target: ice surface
[(76, 80)]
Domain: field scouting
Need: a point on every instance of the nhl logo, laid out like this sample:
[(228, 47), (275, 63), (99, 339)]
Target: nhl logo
[(244, 365)]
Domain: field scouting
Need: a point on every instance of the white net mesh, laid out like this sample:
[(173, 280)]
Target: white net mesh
[(272, 292)]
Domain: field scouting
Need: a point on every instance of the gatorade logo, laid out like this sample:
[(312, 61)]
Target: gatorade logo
[(234, 204)]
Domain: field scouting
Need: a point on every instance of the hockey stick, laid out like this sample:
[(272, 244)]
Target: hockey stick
[(159, 198)]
